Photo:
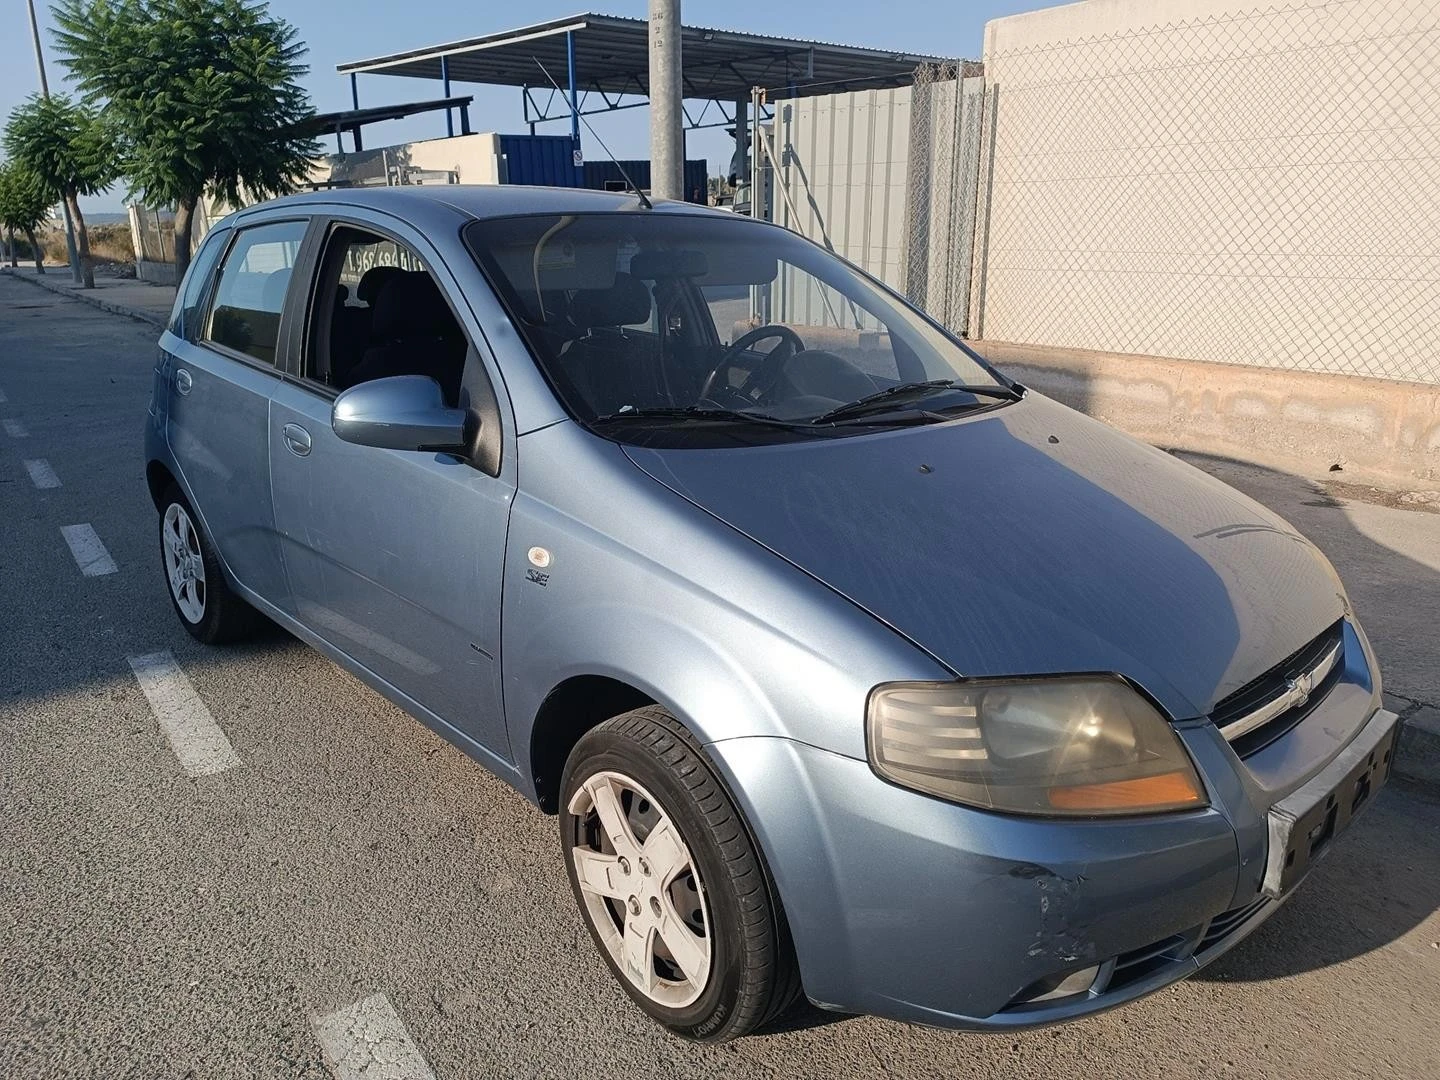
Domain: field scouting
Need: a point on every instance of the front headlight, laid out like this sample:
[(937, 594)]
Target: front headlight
[(1082, 746)]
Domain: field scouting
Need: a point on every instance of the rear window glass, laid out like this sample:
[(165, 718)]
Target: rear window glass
[(251, 294)]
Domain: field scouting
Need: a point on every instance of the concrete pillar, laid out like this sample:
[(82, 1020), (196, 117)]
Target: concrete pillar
[(667, 137)]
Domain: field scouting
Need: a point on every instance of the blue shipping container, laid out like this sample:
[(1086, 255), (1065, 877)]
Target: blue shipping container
[(548, 160)]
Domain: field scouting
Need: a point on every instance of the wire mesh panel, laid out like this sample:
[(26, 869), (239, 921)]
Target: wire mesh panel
[(155, 231), (1252, 185), (945, 132)]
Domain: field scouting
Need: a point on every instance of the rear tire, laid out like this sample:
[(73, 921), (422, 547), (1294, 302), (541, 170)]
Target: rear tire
[(199, 593), (672, 862)]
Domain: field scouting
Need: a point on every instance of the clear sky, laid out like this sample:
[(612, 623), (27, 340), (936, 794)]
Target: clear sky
[(337, 32)]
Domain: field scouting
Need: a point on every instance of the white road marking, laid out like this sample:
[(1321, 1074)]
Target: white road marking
[(90, 554), (3, 398), (42, 474), (367, 1041), (194, 736), (15, 429)]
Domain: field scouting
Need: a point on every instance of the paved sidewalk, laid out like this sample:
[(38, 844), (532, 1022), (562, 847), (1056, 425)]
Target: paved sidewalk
[(123, 296)]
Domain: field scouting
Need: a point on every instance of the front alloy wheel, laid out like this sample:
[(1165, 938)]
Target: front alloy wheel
[(640, 889), (669, 881)]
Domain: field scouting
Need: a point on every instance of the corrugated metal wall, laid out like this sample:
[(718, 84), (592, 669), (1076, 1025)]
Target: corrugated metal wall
[(888, 179), (844, 160)]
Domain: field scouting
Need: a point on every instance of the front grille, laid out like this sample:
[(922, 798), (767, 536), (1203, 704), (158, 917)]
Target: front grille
[(1138, 963), (1227, 922), (1274, 685), (1180, 953)]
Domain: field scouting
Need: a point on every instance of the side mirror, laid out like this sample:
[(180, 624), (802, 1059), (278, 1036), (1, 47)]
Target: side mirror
[(403, 412)]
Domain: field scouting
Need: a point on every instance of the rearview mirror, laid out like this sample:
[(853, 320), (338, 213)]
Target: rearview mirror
[(403, 412)]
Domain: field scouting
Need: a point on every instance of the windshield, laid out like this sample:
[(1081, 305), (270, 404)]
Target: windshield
[(648, 324)]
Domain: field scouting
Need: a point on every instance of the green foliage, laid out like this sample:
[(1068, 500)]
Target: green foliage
[(203, 94), (62, 143), (25, 201)]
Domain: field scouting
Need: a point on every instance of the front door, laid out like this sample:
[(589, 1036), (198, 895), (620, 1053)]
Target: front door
[(393, 557)]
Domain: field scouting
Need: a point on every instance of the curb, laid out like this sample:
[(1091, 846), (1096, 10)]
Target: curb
[(1417, 749), (94, 301)]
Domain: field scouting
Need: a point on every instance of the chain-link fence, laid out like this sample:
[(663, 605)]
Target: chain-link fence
[(941, 191), (1254, 186)]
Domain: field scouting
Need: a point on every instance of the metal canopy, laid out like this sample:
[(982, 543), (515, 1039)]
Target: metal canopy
[(352, 120), (611, 58), (348, 118)]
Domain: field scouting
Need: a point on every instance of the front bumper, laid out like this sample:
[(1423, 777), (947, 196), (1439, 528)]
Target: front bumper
[(1303, 824), (908, 907)]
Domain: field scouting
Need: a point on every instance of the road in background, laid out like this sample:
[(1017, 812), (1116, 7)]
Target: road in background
[(354, 875)]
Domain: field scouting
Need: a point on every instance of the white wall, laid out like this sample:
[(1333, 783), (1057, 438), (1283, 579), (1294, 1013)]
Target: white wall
[(1219, 180), (470, 159)]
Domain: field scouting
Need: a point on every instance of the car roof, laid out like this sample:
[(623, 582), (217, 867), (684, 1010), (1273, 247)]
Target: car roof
[(476, 201)]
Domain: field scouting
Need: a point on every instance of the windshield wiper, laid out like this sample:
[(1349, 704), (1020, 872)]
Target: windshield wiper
[(890, 395), (695, 412)]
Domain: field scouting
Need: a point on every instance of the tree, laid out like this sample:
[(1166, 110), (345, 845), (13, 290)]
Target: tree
[(25, 203), (205, 96), (68, 148)]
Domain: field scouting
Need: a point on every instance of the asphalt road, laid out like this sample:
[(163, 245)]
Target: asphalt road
[(154, 924)]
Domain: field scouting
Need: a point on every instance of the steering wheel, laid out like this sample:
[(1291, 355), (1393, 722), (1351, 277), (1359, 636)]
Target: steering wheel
[(768, 370)]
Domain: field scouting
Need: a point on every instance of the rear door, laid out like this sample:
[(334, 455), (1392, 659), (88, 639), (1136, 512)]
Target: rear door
[(394, 557), (222, 377)]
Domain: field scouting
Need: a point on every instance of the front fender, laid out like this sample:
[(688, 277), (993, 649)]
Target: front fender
[(646, 588)]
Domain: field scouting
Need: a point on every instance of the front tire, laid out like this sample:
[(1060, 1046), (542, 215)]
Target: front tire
[(199, 593), (669, 882)]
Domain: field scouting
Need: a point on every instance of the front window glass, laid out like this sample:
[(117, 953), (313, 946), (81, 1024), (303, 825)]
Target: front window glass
[(649, 324), (251, 294), (379, 313)]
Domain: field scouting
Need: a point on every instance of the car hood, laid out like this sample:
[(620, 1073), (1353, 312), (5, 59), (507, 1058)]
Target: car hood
[(1031, 540)]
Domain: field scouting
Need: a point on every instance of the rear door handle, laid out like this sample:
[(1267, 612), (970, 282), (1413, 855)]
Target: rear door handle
[(183, 382), (297, 439)]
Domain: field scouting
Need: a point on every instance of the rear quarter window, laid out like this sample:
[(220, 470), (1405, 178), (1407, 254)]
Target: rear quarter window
[(187, 317), (250, 295)]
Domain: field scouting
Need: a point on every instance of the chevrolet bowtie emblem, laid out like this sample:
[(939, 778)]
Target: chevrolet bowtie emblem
[(1298, 689)]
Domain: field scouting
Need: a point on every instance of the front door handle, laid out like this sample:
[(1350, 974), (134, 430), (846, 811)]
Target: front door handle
[(297, 439), (183, 382)]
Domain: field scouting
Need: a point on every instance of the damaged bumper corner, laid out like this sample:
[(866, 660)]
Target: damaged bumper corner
[(916, 909)]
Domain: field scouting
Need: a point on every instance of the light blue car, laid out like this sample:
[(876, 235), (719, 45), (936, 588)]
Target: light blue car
[(847, 663)]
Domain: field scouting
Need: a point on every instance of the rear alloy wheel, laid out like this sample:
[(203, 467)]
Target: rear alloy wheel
[(207, 607), (184, 565), (669, 882)]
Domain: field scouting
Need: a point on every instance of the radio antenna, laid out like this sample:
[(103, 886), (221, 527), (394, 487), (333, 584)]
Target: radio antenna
[(644, 199)]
